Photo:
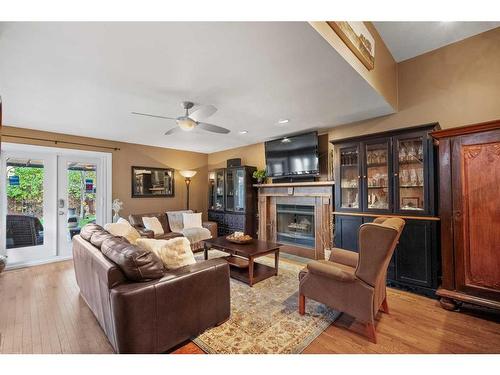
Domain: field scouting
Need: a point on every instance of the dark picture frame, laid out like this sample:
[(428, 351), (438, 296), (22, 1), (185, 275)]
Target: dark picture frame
[(148, 182)]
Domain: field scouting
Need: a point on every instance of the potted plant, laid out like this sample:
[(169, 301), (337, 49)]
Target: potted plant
[(260, 175)]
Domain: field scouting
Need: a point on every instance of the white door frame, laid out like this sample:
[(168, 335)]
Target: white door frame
[(54, 153)]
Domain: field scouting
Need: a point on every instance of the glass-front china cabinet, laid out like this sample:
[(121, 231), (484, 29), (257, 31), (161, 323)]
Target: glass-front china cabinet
[(232, 200), (391, 174)]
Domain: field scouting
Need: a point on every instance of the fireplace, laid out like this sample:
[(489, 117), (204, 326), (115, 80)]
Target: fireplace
[(295, 225), (298, 215)]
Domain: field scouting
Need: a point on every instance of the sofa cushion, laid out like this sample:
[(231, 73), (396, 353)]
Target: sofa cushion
[(124, 230), (152, 223), (99, 237), (174, 253), (89, 229), (137, 264)]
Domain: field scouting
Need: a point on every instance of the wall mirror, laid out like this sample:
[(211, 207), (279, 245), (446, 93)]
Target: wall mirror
[(152, 182)]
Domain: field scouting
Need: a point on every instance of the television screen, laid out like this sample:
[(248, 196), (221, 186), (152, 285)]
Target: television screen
[(292, 156)]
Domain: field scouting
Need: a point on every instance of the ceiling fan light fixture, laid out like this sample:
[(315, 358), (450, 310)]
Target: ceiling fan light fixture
[(186, 123)]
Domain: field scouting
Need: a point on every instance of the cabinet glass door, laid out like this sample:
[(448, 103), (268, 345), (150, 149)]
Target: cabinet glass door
[(349, 177), (377, 195), (230, 190), (410, 176), (219, 190), (239, 190)]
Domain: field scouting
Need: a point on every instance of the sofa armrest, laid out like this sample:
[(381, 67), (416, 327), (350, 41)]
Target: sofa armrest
[(330, 271), (345, 257), (154, 316), (211, 226), (147, 233)]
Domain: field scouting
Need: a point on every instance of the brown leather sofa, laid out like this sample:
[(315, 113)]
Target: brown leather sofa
[(141, 307), (355, 283), (136, 221)]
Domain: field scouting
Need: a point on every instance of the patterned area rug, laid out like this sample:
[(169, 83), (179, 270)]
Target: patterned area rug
[(265, 319)]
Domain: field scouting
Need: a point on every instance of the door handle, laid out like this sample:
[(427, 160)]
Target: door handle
[(61, 212)]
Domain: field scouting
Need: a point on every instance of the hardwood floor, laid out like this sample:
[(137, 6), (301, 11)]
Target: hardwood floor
[(41, 312)]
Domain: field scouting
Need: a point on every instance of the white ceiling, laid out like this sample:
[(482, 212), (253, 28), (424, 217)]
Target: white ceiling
[(409, 39), (86, 78)]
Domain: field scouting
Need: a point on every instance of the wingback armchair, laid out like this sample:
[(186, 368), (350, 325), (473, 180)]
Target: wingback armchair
[(355, 283)]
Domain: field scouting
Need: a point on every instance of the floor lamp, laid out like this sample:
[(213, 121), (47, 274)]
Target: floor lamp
[(187, 179)]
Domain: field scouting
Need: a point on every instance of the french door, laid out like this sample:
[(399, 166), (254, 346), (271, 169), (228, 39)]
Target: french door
[(47, 195)]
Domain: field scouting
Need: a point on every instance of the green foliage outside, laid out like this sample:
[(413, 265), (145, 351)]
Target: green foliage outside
[(27, 197)]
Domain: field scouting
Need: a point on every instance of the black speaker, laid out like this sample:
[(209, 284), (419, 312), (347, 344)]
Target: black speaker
[(234, 162)]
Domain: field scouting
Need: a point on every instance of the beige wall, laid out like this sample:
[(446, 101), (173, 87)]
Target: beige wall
[(383, 78), (252, 155), (138, 155), (455, 85)]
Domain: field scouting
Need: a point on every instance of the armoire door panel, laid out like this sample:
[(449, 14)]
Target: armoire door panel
[(477, 215), (480, 185)]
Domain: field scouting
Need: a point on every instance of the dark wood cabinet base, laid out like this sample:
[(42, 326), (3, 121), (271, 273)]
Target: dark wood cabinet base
[(452, 299)]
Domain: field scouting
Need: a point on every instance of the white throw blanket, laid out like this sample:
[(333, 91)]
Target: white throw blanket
[(196, 234), (175, 220)]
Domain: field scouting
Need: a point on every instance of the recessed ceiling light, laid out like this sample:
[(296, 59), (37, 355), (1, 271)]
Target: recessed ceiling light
[(243, 131), (283, 121)]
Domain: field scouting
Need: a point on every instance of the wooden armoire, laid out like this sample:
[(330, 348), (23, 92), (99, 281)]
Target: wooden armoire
[(469, 179)]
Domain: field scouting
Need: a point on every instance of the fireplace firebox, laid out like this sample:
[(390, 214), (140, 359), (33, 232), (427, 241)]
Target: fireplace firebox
[(295, 225)]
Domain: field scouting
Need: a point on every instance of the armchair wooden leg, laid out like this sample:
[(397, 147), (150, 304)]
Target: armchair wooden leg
[(370, 332), (385, 307), (302, 304)]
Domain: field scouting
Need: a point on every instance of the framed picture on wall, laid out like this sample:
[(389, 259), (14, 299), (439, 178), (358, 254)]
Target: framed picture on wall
[(152, 182)]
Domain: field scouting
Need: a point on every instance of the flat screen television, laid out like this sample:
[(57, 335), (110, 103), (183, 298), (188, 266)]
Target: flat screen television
[(295, 156)]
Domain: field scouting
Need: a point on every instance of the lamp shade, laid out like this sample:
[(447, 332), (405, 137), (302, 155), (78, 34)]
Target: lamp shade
[(187, 173), (211, 176)]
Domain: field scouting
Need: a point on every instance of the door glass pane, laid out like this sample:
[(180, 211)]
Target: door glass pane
[(349, 177), (25, 195), (377, 171), (81, 203), (411, 174), (219, 190), (239, 191), (230, 190)]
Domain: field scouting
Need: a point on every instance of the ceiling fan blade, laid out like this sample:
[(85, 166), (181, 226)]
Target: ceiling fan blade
[(147, 114), (213, 128), (172, 131), (203, 112)]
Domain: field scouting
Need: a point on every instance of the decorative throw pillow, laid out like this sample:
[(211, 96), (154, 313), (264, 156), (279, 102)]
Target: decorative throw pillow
[(174, 253), (152, 223), (192, 220), (124, 230)]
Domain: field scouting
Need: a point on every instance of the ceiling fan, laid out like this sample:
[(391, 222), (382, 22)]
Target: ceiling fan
[(188, 121)]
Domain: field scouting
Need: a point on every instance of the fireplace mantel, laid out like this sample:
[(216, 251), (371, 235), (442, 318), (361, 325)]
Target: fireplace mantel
[(316, 194), (293, 184)]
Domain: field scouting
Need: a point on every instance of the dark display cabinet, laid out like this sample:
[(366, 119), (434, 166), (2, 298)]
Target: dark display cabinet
[(392, 174), (232, 200), (216, 190)]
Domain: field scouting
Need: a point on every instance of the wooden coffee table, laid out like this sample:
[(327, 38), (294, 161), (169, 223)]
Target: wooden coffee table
[(242, 256)]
